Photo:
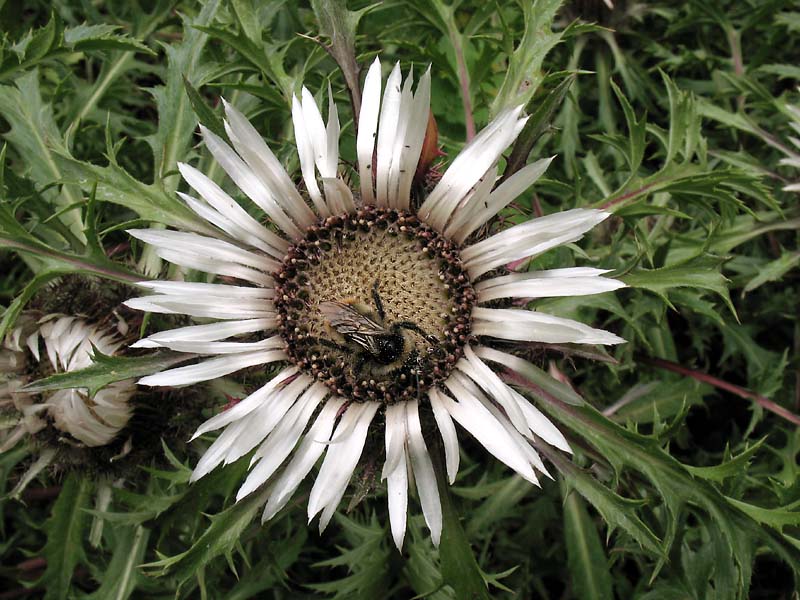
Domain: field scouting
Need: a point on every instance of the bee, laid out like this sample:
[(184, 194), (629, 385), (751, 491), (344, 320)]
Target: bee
[(352, 324)]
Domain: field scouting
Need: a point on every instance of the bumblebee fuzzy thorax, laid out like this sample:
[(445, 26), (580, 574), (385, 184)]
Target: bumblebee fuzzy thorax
[(419, 278)]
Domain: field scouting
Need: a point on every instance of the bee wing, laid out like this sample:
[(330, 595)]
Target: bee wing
[(352, 324)]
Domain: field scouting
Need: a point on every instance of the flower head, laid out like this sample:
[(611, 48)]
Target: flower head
[(382, 306), (68, 343)]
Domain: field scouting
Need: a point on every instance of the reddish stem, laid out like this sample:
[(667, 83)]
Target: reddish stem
[(32, 564), (20, 593), (627, 196), (463, 79), (514, 265), (45, 493), (114, 250), (537, 206), (762, 401), (734, 41)]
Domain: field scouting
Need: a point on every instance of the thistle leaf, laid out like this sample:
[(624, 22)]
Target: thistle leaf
[(107, 370), (65, 537), (588, 563)]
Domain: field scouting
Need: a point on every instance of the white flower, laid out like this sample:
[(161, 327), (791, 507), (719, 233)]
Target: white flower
[(375, 303), (68, 344)]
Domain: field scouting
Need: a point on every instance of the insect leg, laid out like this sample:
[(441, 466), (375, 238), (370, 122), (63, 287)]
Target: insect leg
[(361, 360), (329, 344), (416, 328), (376, 298)]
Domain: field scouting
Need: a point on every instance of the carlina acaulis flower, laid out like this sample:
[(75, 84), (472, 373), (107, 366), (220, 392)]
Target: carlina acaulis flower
[(378, 303), (108, 435), (56, 343)]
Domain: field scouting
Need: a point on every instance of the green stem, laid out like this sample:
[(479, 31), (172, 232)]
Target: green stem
[(460, 570), (82, 264), (447, 15)]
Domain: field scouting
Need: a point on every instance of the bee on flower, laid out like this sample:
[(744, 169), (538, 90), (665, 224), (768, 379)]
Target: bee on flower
[(385, 307)]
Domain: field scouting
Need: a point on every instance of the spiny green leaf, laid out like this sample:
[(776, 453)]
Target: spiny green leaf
[(722, 185), (735, 120), (65, 535), (247, 17), (774, 517), (774, 270), (36, 46), (524, 71), (102, 37), (730, 468), (634, 151), (503, 499), (35, 136), (270, 571), (85, 102), (85, 31), (54, 262), (640, 209), (268, 59), (11, 314), (107, 370), (677, 487), (38, 43), (366, 557), (588, 563), (542, 111), (339, 25), (782, 70), (176, 121), (459, 568), (703, 273), (53, 40), (743, 229), (790, 19), (660, 399), (763, 366), (113, 184), (245, 12), (220, 537), (207, 116), (122, 576), (684, 124), (617, 512)]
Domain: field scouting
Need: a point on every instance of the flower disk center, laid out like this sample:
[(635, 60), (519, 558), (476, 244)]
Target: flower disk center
[(376, 305)]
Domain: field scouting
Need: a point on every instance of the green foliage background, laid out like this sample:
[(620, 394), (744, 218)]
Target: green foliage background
[(673, 115)]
